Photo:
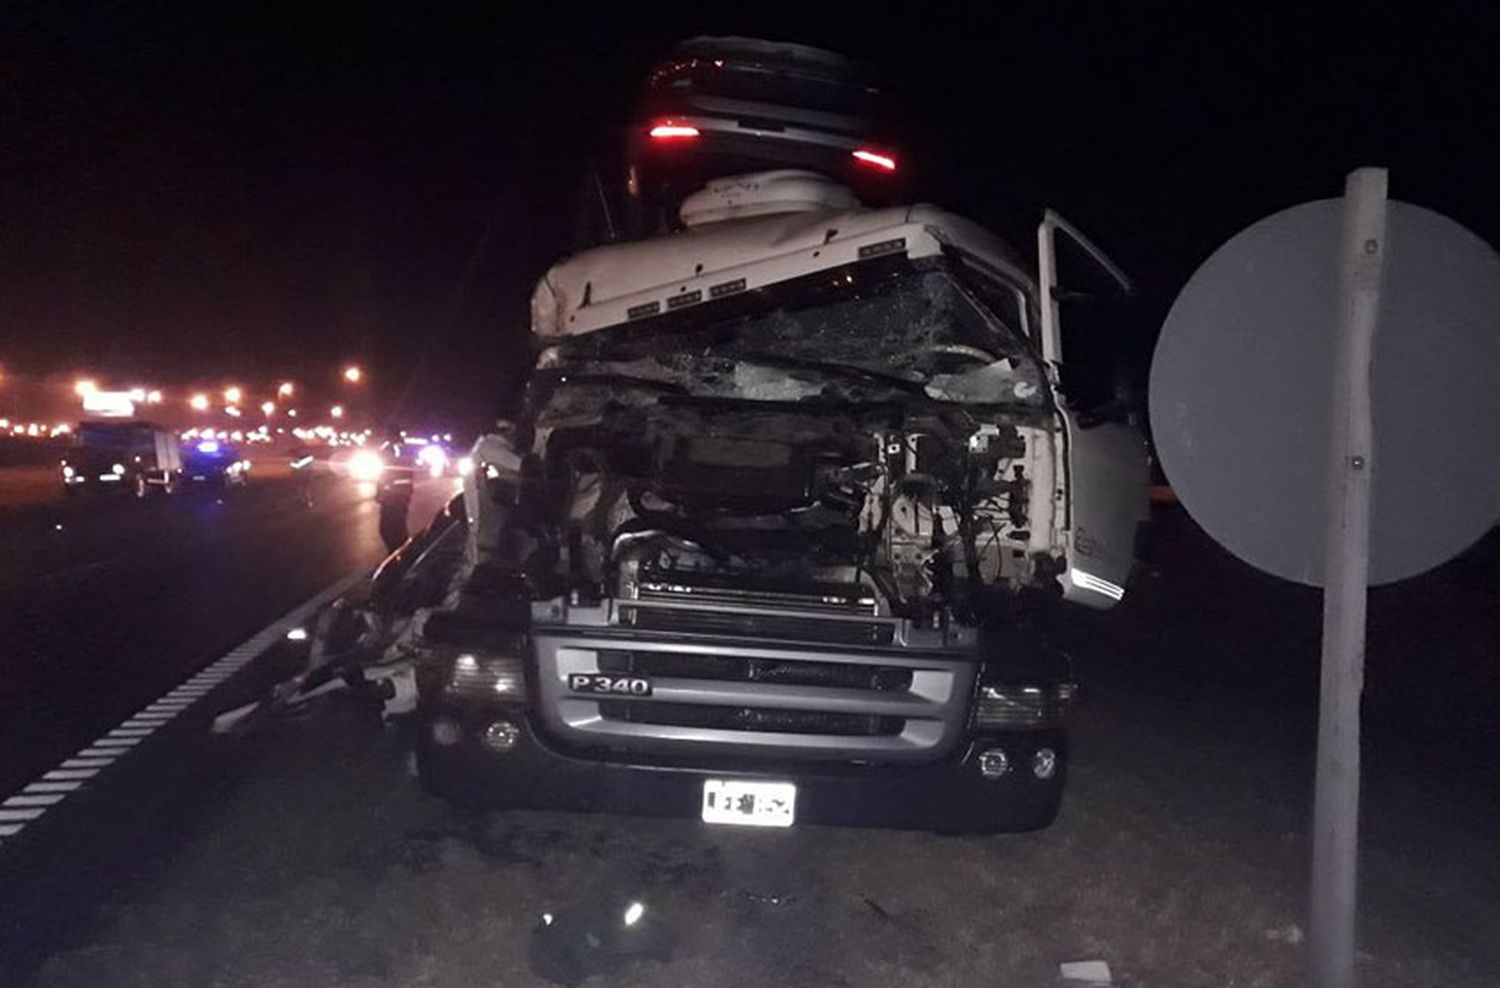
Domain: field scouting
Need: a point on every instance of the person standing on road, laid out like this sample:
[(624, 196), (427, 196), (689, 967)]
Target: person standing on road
[(302, 461), (394, 491)]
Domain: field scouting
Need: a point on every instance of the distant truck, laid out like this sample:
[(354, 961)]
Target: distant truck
[(137, 457)]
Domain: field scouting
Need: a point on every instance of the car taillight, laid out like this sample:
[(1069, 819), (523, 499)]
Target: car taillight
[(874, 159), (667, 130)]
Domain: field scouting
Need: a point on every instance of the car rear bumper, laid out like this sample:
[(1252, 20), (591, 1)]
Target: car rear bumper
[(536, 773)]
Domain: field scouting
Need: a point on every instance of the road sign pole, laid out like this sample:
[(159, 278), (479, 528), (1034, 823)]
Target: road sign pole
[(1346, 568)]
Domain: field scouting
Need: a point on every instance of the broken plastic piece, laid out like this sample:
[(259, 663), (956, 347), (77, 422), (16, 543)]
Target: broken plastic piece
[(1086, 972), (600, 936)]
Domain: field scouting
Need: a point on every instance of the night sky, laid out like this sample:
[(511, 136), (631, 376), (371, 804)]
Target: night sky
[(192, 194)]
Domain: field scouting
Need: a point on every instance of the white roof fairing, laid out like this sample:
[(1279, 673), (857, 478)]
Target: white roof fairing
[(614, 284)]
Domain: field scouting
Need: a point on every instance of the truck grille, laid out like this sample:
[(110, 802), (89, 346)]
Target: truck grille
[(750, 624), (706, 665), (751, 718), (701, 589), (772, 698)]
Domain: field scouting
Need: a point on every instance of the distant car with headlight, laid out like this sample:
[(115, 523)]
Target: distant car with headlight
[(213, 463), (137, 457)]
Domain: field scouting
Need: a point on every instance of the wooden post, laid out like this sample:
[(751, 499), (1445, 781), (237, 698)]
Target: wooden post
[(1346, 567)]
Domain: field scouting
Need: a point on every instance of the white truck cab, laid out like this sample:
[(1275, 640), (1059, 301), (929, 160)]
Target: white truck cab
[(749, 234), (763, 546)]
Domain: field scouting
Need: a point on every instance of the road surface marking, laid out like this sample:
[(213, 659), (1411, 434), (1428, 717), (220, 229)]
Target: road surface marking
[(15, 816), (36, 798), (131, 732), (26, 807), (52, 786)]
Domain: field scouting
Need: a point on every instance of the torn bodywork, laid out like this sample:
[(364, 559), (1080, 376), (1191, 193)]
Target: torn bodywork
[(885, 435)]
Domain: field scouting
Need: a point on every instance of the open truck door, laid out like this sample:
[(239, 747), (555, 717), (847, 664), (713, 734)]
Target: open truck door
[(1105, 456)]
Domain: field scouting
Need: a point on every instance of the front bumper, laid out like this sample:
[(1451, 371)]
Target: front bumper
[(538, 773)]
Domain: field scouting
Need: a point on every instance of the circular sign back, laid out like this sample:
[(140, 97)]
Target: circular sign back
[(1243, 372)]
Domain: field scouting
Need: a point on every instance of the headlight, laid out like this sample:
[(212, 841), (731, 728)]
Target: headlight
[(366, 466), (119, 469), (434, 459), (465, 465), (68, 471), (1007, 707), (487, 677)]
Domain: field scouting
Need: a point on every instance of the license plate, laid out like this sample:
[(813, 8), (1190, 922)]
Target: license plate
[(601, 683), (749, 804)]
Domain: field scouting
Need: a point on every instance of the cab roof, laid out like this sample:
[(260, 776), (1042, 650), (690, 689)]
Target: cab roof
[(619, 283)]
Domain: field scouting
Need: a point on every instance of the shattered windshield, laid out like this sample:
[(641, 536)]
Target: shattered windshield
[(841, 333)]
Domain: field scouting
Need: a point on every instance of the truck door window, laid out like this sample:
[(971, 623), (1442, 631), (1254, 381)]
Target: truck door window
[(1004, 300)]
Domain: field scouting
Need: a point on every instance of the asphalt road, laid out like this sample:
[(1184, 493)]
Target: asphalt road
[(108, 602), (306, 855)]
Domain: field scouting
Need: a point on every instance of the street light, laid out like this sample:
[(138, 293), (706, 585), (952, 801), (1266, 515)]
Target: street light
[(199, 402), (285, 390), (232, 395), (352, 374), (337, 411), (268, 407)]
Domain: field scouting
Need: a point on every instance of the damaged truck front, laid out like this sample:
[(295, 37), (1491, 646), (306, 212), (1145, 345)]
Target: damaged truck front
[(763, 545)]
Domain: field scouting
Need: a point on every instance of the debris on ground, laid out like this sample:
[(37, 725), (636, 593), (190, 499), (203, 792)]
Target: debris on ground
[(1291, 933), (596, 937), (1085, 973)]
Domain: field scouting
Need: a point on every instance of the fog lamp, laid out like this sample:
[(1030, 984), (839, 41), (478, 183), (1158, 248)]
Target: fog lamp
[(1044, 763), (500, 736), (993, 763)]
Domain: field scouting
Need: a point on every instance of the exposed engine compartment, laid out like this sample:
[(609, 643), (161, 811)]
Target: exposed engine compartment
[(915, 513)]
